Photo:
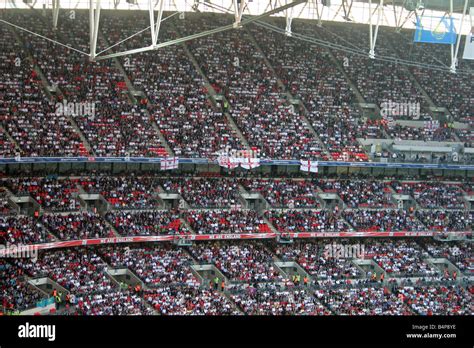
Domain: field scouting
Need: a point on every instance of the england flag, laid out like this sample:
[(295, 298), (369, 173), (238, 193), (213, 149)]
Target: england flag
[(309, 166), (227, 162), (169, 163), (249, 163)]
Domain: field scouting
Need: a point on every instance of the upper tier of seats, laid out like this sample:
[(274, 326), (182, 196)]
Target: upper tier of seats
[(147, 103)]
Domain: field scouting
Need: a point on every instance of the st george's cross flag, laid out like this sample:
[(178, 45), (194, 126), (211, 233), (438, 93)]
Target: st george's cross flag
[(249, 163), (309, 166), (167, 163), (233, 162), (227, 162)]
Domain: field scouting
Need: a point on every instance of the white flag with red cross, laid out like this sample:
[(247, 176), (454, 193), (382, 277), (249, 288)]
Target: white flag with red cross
[(167, 163), (309, 166), (227, 162), (249, 163)]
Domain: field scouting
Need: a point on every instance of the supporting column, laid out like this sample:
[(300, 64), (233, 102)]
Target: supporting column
[(94, 16), (55, 13), (454, 57), (289, 19), (239, 6), (151, 12), (316, 6), (155, 27), (158, 21), (452, 45), (373, 38), (347, 12)]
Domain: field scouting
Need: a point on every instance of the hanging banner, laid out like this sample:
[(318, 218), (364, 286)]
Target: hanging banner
[(309, 166), (438, 30), (269, 162), (469, 45), (169, 163), (249, 163), (16, 251), (228, 162), (234, 162)]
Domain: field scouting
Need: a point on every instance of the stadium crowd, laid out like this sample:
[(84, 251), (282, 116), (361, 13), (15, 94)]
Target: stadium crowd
[(175, 93), (111, 123), (154, 265), (253, 286), (257, 104), (223, 221), (437, 300), (80, 271), (362, 301), (446, 221), (396, 257), (383, 220), (27, 113), (245, 262), (305, 221), (360, 193), (171, 101), (432, 195), (168, 300), (5, 208), (272, 299), (16, 293), (51, 193), (285, 193), (112, 303), (123, 192), (458, 253), (83, 225), (288, 100), (319, 260), (147, 223), (309, 75), (23, 230), (205, 193)]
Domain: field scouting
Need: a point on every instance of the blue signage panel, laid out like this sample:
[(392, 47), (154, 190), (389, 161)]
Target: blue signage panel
[(438, 30), (26, 160)]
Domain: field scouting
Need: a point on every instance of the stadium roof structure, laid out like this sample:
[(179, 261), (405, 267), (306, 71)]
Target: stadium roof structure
[(436, 5), (375, 13)]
